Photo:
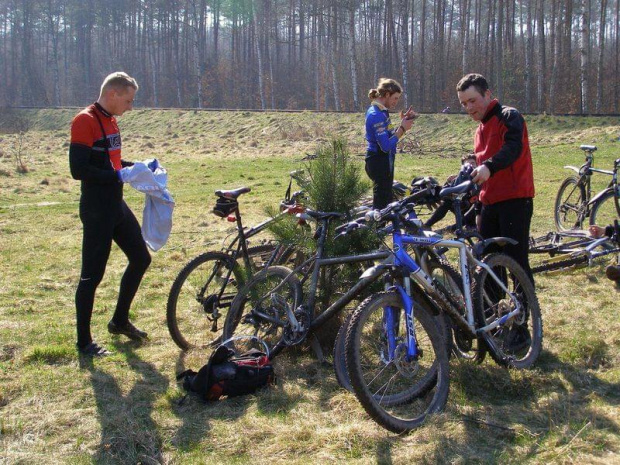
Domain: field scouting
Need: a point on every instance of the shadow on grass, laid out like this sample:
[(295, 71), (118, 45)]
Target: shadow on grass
[(128, 432), (511, 414), (196, 414)]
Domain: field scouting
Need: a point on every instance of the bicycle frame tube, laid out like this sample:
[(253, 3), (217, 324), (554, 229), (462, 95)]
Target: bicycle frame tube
[(466, 257), (424, 280), (369, 277)]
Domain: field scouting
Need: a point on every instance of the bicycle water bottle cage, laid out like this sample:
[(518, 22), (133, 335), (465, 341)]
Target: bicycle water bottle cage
[(224, 207)]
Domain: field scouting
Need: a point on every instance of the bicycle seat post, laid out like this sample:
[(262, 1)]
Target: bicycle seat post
[(242, 239)]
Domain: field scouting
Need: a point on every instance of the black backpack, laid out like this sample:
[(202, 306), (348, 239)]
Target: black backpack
[(226, 374)]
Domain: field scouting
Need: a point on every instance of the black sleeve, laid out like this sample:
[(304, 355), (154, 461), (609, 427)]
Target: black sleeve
[(513, 142), (609, 230), (82, 169), (126, 163)]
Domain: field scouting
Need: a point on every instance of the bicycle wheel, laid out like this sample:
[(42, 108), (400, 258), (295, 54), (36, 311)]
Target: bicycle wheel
[(397, 392), (518, 341), (200, 296), (459, 342), (260, 255), (340, 362), (559, 263), (605, 210), (570, 204), (260, 310)]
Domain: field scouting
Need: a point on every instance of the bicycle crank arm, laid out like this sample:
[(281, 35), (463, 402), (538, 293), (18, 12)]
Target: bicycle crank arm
[(263, 316), (503, 358)]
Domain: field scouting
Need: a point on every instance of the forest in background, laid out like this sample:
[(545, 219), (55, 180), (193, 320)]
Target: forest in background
[(553, 56)]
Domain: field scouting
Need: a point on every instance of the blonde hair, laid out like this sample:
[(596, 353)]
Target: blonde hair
[(385, 87), (118, 81)]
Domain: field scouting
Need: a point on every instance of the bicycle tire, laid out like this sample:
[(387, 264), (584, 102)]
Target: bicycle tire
[(560, 264), (365, 349), (259, 255), (240, 320), (605, 210), (458, 342), (564, 206), (192, 292), (340, 359), (191, 329), (518, 343), (339, 355)]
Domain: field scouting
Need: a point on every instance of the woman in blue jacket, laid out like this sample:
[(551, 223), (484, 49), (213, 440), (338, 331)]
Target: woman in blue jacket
[(382, 138)]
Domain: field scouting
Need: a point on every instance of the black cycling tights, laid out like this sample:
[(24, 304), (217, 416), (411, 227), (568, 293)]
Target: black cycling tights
[(99, 232), (510, 218), (378, 170)]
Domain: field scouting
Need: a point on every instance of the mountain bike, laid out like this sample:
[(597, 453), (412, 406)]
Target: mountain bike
[(572, 249), (273, 308), (389, 377), (202, 292), (574, 202)]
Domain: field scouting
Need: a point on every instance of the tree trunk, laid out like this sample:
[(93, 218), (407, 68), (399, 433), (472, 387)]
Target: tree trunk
[(556, 39), (499, 51), (542, 62), (332, 41), (601, 53), (584, 48), (352, 56), (404, 55), (528, 58)]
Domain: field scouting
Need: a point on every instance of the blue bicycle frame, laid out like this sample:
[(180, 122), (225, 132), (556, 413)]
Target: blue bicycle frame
[(410, 269)]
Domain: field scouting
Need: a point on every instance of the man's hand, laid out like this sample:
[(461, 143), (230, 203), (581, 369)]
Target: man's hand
[(480, 174), (596, 231)]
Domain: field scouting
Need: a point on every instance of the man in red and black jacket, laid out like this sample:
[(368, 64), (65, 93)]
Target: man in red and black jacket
[(504, 167), (95, 160)]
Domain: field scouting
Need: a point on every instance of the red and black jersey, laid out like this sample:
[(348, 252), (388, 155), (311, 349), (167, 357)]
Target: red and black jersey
[(95, 150), (502, 144)]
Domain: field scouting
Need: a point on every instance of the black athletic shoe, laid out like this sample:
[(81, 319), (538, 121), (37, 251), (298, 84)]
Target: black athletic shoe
[(613, 272), (94, 350), (128, 330)]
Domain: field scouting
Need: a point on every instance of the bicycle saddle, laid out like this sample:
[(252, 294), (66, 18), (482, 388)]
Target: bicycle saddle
[(462, 188), (588, 148), (234, 193)]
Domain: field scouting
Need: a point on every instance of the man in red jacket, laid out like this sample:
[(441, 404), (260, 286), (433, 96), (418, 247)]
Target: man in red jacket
[(95, 160), (504, 167)]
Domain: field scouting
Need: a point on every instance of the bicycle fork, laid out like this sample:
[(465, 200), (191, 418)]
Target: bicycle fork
[(390, 322)]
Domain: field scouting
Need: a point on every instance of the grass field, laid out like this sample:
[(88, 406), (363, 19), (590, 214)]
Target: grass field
[(126, 408)]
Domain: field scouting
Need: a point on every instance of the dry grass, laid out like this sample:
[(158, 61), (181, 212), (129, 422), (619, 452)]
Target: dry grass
[(126, 408)]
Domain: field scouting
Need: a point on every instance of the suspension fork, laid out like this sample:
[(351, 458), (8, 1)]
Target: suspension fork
[(390, 318)]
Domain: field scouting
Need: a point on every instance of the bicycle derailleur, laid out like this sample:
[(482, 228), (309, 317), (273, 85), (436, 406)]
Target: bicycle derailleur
[(295, 334)]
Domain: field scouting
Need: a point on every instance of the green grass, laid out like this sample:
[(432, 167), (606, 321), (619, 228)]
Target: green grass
[(126, 408)]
